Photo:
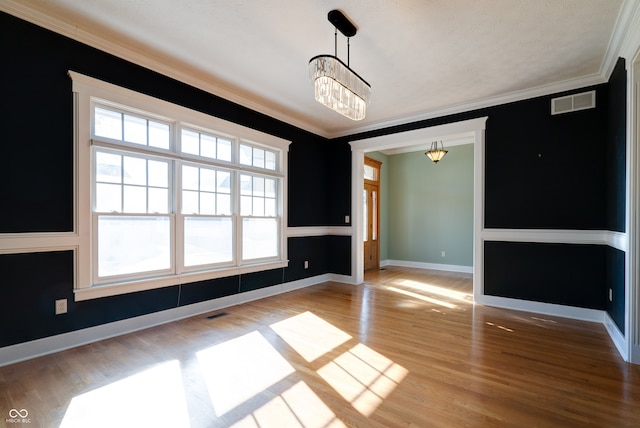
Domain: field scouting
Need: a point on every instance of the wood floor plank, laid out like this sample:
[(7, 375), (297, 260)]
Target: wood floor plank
[(405, 349)]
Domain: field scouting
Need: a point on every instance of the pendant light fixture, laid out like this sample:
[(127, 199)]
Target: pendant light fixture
[(335, 84), (436, 154)]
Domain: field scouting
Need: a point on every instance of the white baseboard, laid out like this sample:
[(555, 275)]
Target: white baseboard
[(571, 312), (49, 345), (422, 265), (616, 336)]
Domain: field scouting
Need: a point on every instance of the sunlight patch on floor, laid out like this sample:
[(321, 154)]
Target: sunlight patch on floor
[(310, 335), (153, 397), (241, 368), (363, 377), (422, 297), (298, 406), (434, 289)]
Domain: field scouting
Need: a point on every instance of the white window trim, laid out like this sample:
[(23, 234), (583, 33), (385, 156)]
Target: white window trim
[(86, 90)]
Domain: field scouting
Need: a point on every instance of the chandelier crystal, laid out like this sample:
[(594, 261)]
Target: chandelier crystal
[(335, 84), (338, 87)]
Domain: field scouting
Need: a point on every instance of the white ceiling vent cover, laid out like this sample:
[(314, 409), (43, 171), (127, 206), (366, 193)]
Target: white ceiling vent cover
[(575, 102)]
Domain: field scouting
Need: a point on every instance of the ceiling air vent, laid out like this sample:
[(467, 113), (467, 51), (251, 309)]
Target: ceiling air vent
[(573, 102)]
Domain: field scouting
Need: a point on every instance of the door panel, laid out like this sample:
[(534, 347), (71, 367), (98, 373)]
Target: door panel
[(371, 232)]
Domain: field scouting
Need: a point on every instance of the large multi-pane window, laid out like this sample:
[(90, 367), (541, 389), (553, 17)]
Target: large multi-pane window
[(169, 198)]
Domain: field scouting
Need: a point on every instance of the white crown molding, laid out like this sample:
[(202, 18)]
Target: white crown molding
[(625, 38), (200, 80), (566, 85), (180, 73), (618, 36)]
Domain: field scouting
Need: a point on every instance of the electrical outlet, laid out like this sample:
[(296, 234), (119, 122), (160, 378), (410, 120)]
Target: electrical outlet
[(61, 306), (443, 254), (346, 219), (610, 295), (306, 264)]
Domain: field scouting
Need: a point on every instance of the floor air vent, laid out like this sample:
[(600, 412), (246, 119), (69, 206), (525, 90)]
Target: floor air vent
[(575, 102)]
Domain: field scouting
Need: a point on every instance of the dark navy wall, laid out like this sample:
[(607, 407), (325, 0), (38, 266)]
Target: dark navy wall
[(36, 185), (541, 172), (617, 188), (615, 282), (564, 274), (552, 172), (616, 148)]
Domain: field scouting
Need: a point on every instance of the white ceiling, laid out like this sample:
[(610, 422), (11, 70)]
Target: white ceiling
[(423, 58)]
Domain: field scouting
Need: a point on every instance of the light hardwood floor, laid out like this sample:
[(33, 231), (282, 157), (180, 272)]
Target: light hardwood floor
[(406, 349)]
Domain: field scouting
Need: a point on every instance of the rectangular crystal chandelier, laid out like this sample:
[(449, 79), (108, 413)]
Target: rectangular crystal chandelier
[(335, 84), (338, 87)]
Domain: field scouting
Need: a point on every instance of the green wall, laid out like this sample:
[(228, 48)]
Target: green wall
[(428, 208)]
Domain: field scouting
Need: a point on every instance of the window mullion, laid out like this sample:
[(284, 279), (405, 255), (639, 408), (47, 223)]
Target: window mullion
[(174, 243)]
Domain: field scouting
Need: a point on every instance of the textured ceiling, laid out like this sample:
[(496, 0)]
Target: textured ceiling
[(421, 57)]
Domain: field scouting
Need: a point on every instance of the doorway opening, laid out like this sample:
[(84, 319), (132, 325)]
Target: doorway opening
[(474, 129)]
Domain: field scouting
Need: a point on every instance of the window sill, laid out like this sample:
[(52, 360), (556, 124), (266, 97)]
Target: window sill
[(98, 291)]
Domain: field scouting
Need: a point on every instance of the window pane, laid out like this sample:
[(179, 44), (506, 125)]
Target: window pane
[(135, 129), (108, 198), (224, 182), (207, 180), (270, 188), (159, 135), (270, 161), (190, 202), (190, 142), (108, 168), (258, 186), (369, 172), (259, 238), (207, 203), (189, 177), (224, 150), (374, 215), (245, 155), (258, 158), (365, 219), (158, 201), (129, 245), (258, 206), (270, 207), (158, 174), (245, 205), (207, 146), (223, 204), (135, 171), (108, 123), (207, 240), (245, 184), (135, 199)]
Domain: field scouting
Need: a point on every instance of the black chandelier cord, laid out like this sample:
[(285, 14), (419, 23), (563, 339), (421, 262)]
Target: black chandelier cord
[(335, 45)]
